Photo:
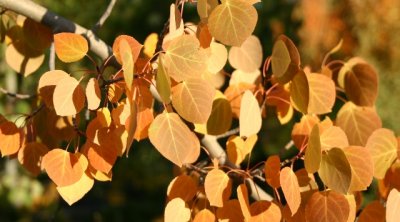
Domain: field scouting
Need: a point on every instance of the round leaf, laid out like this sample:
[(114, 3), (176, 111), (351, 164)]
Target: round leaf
[(322, 94), (285, 59), (393, 206), (312, 159), (176, 211), (10, 138), (70, 47), (250, 115), (93, 94), (247, 57), (362, 167), (218, 187), (47, 84), (30, 156), (327, 206), (68, 97), (291, 189)]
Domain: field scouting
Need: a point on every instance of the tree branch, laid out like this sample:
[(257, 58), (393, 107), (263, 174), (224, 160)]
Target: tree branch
[(104, 17), (16, 95)]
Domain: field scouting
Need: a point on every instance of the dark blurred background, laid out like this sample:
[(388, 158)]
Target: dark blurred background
[(370, 29)]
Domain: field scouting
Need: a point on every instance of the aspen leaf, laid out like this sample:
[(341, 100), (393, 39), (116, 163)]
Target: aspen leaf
[(217, 58), (47, 84), (184, 59), (70, 47), (335, 170), (322, 94), (238, 149), (176, 27), (150, 44), (382, 145), (250, 115), (247, 57), (10, 138), (93, 94), (285, 59), (134, 46), (68, 97), (362, 167), (205, 7), (21, 63), (333, 137), (352, 207), (230, 212), (232, 22), (272, 171), (163, 82), (193, 99), (204, 215), (265, 211), (176, 211), (374, 211), (239, 76), (131, 124), (218, 187), (114, 93), (182, 186), (30, 156), (127, 63), (74, 192), (327, 206), (243, 198), (37, 35), (144, 113), (312, 159), (100, 176), (393, 206), (302, 130), (234, 94), (63, 167), (358, 123), (173, 139), (278, 98), (291, 189), (299, 92)]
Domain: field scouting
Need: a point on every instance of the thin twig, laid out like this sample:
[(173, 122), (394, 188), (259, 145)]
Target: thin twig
[(228, 133), (52, 57), (17, 95), (104, 17)]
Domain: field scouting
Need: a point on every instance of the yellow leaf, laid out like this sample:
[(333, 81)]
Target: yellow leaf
[(70, 47), (176, 211), (163, 82), (291, 189), (247, 57), (218, 187), (76, 191), (362, 167), (322, 94), (250, 115), (217, 58), (150, 44), (68, 97), (93, 94), (312, 159), (47, 84), (285, 59), (127, 62)]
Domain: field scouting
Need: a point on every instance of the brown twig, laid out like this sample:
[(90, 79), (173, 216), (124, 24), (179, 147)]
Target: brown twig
[(104, 17), (17, 95)]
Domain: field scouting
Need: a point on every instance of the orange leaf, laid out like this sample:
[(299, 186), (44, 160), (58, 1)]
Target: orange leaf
[(265, 211), (218, 187), (204, 215), (243, 197), (327, 206), (250, 115), (230, 212), (322, 94), (182, 186), (30, 156), (382, 145), (76, 191), (63, 167), (234, 94), (70, 47), (176, 211), (374, 211), (302, 130), (93, 94), (173, 139), (10, 138), (127, 63), (312, 159), (272, 171), (47, 84), (333, 137), (134, 46), (362, 167), (247, 57), (291, 189), (68, 97)]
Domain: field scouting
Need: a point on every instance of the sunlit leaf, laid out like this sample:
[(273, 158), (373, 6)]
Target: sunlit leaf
[(243, 198), (382, 145), (218, 187), (218, 57), (327, 206), (204, 215), (265, 211), (74, 192), (184, 59), (272, 171), (70, 47), (21, 63), (127, 62), (176, 27), (204, 7), (250, 115), (163, 82), (68, 97), (10, 138), (362, 167), (93, 94), (247, 57), (302, 130), (30, 156), (333, 137), (352, 207), (299, 92), (182, 186), (285, 59), (230, 212), (150, 44), (290, 188), (335, 170), (393, 206), (232, 22), (374, 211), (238, 76), (134, 46), (144, 116), (312, 159), (47, 84), (176, 211), (322, 94), (358, 123), (234, 94), (63, 167), (173, 139)]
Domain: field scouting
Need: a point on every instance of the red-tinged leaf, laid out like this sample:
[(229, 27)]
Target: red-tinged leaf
[(327, 206), (285, 59), (302, 130), (272, 171), (362, 167), (68, 97), (234, 94), (250, 115), (102, 156), (247, 57), (173, 139), (291, 189), (232, 22), (333, 137), (193, 99), (358, 123), (218, 187), (312, 159), (299, 92), (204, 215), (93, 94), (265, 211), (30, 156), (47, 84), (176, 211), (335, 170), (63, 167), (74, 192), (230, 212), (70, 47), (10, 138), (322, 94), (243, 197), (182, 186), (374, 211), (393, 206), (382, 145), (134, 46)]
